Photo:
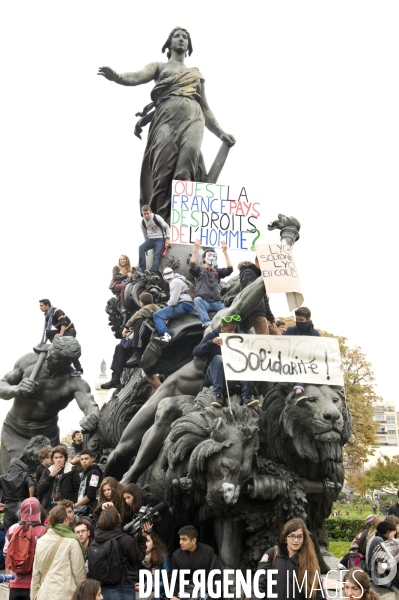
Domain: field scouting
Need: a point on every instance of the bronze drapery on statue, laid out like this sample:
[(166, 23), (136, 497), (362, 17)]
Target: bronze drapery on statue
[(174, 141)]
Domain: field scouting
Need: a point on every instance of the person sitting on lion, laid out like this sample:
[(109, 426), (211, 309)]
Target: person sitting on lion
[(210, 348), (304, 326)]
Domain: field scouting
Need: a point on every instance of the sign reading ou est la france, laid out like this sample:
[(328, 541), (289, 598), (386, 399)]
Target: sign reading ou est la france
[(208, 212), (300, 359)]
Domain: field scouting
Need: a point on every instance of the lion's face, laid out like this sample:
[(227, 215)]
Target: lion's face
[(321, 414), (318, 428), (228, 470)]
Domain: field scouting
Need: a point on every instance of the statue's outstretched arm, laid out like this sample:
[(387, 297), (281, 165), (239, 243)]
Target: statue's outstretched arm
[(211, 122), (149, 73), (88, 406)]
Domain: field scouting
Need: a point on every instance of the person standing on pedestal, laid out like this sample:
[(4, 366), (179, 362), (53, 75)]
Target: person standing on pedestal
[(157, 237), (207, 288)]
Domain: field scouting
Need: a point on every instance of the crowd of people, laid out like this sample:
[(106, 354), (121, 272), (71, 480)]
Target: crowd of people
[(58, 553), (65, 538), (203, 298), (70, 533), (375, 546)]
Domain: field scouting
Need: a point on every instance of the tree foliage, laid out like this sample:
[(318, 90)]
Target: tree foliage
[(358, 483), (384, 474), (67, 439), (360, 395)]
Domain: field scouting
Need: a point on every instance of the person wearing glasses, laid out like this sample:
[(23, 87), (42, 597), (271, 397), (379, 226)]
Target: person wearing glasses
[(295, 560), (211, 349), (81, 529)]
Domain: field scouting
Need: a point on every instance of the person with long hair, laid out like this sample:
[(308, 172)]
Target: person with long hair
[(120, 273), (156, 558), (295, 560), (59, 564), (131, 553), (134, 498), (110, 494), (357, 586), (88, 590), (371, 534)]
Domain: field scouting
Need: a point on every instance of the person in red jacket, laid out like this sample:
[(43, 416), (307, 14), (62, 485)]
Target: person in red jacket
[(30, 514)]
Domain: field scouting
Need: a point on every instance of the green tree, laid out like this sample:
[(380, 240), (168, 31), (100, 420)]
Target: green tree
[(67, 439), (360, 395), (359, 483), (385, 473)]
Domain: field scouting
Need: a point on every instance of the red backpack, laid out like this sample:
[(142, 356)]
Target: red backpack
[(21, 550)]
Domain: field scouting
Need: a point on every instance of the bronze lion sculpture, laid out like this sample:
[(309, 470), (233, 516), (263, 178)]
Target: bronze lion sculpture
[(216, 473)]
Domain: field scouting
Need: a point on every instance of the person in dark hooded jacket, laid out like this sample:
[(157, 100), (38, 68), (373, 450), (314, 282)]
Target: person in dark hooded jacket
[(304, 326), (131, 553), (295, 560), (58, 482), (262, 315), (17, 485)]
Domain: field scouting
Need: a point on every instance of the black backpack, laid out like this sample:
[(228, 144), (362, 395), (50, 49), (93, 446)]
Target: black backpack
[(104, 560)]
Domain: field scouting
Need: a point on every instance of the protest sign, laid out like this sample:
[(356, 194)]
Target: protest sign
[(305, 359), (276, 261), (209, 212)]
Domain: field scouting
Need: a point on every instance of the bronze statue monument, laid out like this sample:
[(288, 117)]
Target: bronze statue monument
[(178, 113), (39, 395)]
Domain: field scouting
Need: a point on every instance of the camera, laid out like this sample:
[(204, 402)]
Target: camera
[(146, 514)]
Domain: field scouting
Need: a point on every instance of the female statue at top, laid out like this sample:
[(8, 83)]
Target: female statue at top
[(178, 112)]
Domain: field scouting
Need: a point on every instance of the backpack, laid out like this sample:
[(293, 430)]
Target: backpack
[(157, 223), (104, 561), (355, 560), (21, 550), (385, 555), (191, 289)]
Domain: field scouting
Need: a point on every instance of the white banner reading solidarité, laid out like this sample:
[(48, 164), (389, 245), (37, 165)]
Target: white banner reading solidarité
[(304, 359), (276, 261)]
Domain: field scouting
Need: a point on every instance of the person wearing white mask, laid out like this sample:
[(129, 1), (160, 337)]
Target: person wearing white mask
[(207, 279)]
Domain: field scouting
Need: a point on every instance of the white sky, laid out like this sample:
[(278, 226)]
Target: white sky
[(310, 91)]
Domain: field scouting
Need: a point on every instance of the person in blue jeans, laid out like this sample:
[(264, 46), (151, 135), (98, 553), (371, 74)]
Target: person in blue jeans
[(207, 281), (211, 349), (157, 237), (303, 326), (180, 302)]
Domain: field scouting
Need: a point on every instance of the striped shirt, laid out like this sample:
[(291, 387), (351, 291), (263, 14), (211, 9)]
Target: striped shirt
[(61, 319)]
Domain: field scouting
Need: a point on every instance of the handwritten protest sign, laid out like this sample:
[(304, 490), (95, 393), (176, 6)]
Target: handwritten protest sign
[(276, 261), (209, 212), (303, 359)]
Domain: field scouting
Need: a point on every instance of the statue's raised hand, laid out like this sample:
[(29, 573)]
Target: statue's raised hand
[(89, 423), (27, 386), (108, 73), (229, 139)]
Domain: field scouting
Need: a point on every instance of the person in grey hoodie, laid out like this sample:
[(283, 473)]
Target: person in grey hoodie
[(17, 485), (180, 302)]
